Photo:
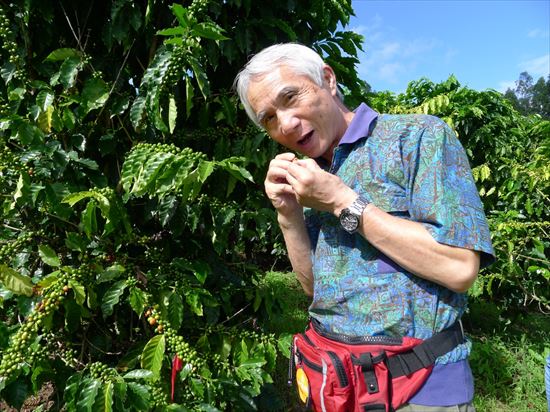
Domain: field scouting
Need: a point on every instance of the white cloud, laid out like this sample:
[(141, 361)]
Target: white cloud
[(390, 58), (390, 72), (387, 51), (537, 67), (538, 34), (416, 47)]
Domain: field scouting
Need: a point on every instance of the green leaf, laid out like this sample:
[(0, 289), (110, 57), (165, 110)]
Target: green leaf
[(201, 270), (138, 396), (111, 273), (89, 163), (189, 94), (87, 394), (120, 390), (205, 169), (137, 300), (74, 198), (72, 315), (200, 76), (48, 280), (181, 14), (283, 343), (44, 100), (153, 354), (68, 71), (209, 31), (172, 114), (131, 358), (15, 393), (15, 281), (192, 298), (175, 310), (29, 134), (69, 119), (137, 111), (108, 394), (89, 219), (71, 391), (139, 374), (62, 54), (95, 93), (172, 31), (75, 241), (79, 291), (48, 256), (112, 297)]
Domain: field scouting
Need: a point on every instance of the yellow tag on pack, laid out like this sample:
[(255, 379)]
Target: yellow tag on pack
[(303, 385)]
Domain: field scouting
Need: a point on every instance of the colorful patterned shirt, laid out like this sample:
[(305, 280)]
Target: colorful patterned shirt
[(413, 167)]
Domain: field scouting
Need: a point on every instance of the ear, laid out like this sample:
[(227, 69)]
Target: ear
[(329, 79)]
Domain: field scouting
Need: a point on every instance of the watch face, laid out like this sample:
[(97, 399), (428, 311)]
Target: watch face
[(349, 221)]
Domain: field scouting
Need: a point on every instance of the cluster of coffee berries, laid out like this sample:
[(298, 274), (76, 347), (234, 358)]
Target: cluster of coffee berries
[(222, 366), (102, 372), (198, 7), (157, 397), (215, 204), (175, 342), (185, 152), (9, 249), (108, 192), (7, 38), (8, 160), (177, 66), (20, 346)]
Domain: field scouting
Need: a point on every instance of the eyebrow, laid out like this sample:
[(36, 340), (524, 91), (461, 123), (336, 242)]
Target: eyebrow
[(261, 115)]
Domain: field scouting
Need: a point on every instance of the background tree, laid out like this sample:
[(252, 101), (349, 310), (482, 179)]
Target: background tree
[(531, 98)]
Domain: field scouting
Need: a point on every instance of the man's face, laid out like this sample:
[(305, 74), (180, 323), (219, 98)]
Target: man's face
[(297, 113)]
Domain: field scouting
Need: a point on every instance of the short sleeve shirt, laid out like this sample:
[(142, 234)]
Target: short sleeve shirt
[(413, 167)]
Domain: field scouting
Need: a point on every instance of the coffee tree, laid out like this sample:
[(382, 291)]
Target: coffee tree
[(134, 232)]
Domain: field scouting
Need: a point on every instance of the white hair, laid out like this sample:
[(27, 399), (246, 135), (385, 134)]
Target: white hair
[(301, 59)]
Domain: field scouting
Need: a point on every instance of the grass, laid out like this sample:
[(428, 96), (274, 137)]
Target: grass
[(507, 359)]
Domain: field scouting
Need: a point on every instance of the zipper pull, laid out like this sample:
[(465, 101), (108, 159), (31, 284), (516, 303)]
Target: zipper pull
[(291, 366)]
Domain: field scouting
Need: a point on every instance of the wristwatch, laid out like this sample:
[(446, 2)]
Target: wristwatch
[(350, 217)]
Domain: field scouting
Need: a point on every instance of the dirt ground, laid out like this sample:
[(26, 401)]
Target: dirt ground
[(43, 398)]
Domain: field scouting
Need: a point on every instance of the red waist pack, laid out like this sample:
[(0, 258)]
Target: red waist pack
[(341, 373)]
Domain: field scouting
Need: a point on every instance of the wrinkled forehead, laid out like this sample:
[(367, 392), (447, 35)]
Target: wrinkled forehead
[(266, 87)]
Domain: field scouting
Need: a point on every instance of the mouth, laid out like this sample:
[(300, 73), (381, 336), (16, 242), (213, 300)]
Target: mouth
[(305, 139)]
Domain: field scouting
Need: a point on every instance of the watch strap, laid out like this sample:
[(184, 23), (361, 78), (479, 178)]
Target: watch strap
[(358, 205)]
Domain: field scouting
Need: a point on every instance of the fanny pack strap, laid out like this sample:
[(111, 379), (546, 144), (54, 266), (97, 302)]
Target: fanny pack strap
[(420, 357), (425, 354)]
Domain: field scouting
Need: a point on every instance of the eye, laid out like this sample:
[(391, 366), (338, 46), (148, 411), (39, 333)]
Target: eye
[(268, 120), (289, 96)]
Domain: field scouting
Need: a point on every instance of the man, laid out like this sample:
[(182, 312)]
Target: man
[(393, 231)]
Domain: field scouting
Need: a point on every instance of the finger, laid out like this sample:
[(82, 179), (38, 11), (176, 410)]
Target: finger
[(288, 156), (276, 175), (309, 164), (281, 164), (298, 171)]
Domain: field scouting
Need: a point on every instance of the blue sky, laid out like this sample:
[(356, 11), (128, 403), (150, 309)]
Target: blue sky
[(484, 43)]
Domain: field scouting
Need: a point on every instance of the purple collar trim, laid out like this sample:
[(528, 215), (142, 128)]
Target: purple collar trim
[(360, 125)]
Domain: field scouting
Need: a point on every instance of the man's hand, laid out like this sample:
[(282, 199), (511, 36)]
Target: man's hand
[(277, 187), (317, 189)]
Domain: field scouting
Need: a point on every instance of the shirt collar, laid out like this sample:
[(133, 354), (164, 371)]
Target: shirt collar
[(360, 125)]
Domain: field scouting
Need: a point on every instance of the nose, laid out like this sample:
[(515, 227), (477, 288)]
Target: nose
[(288, 122)]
